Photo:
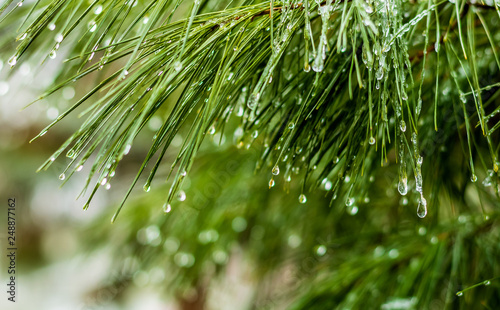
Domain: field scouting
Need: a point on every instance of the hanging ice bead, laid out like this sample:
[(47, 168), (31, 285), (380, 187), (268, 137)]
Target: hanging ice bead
[(59, 37), (253, 101), (352, 210), (127, 149), (422, 207), (271, 183), (167, 208), (402, 125), (12, 61), (403, 186), (181, 196), (349, 201), (473, 178), (302, 198), (177, 66), (319, 61), (276, 170)]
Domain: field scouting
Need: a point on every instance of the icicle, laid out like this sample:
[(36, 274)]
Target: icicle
[(403, 179), (319, 62), (422, 207)]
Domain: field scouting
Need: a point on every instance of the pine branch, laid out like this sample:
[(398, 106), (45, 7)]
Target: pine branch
[(225, 62)]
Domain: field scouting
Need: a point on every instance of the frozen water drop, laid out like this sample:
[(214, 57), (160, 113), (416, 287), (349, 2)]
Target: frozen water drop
[(473, 178), (353, 210), (271, 183), (402, 126), (167, 208), (12, 61), (276, 170), (181, 195), (177, 66), (403, 186), (422, 207), (127, 149), (349, 201), (59, 37)]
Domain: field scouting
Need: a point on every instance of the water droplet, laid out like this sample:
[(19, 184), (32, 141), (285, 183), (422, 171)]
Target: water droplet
[(276, 170), (62, 176), (127, 149), (211, 130), (372, 140), (352, 210), (104, 181), (147, 187), (92, 26), (177, 66), (51, 26), (271, 183), (23, 36), (403, 186), (422, 207), (404, 201), (167, 208), (402, 125), (473, 178), (327, 184), (12, 61), (253, 101), (320, 250), (307, 67), (98, 10), (108, 186), (460, 293), (52, 54), (487, 282), (79, 168), (59, 37), (181, 195), (302, 198), (183, 173), (349, 201), (255, 134)]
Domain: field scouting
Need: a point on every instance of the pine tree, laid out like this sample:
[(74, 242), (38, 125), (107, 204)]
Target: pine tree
[(378, 119)]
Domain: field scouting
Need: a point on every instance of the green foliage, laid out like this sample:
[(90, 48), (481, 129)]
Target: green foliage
[(337, 93)]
